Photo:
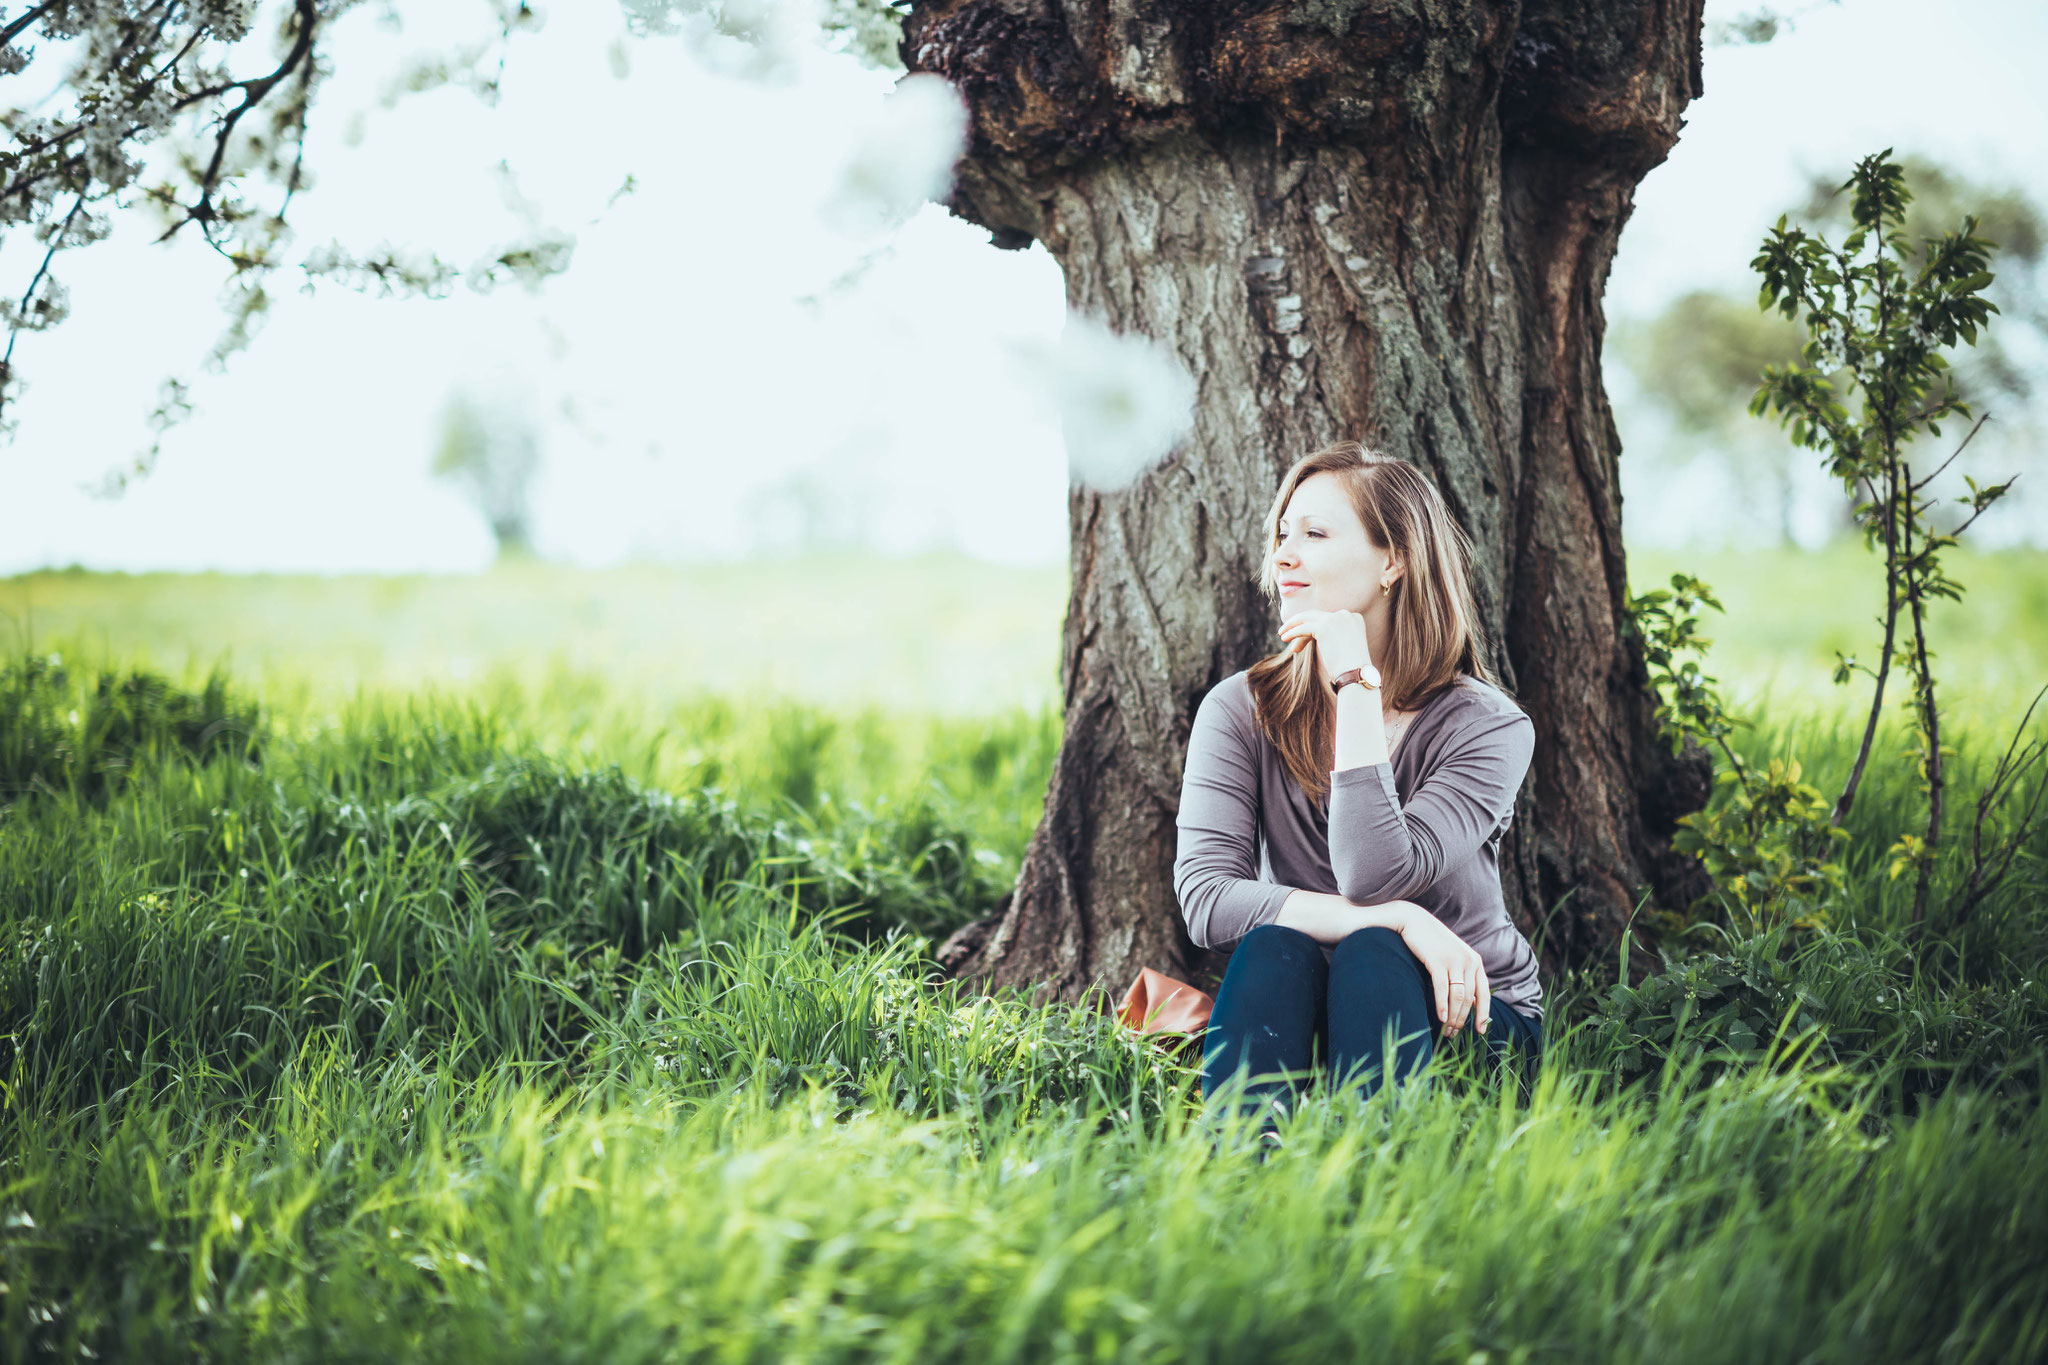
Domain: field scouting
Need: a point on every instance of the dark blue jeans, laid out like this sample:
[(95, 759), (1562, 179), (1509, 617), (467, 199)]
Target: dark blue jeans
[(1281, 1006)]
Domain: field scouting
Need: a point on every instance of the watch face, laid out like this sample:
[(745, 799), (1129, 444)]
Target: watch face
[(1371, 674)]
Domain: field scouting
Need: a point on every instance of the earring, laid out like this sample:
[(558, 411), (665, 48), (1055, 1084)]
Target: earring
[(1385, 590)]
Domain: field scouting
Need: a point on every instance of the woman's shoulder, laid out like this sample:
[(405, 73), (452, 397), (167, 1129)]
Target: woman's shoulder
[(1472, 699), (1227, 719), (1232, 698)]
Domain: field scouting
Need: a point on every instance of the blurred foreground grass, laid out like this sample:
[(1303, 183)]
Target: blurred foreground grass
[(586, 1014)]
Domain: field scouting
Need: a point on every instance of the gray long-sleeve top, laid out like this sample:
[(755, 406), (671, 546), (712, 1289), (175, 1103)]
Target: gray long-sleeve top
[(1425, 827)]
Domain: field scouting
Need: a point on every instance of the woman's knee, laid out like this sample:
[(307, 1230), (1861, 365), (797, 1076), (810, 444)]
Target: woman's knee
[(1272, 956), (1379, 963), (1377, 941), (1275, 940)]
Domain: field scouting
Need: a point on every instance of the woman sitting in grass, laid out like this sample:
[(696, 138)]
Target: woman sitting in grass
[(1340, 822)]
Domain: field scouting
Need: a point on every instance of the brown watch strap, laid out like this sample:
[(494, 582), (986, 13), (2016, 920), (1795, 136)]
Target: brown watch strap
[(1347, 677)]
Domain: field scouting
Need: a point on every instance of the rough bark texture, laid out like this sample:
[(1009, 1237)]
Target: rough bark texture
[(1390, 221)]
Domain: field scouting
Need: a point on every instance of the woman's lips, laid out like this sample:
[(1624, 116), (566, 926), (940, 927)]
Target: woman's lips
[(1286, 588)]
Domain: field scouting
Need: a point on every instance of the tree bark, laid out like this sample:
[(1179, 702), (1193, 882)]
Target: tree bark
[(1390, 221)]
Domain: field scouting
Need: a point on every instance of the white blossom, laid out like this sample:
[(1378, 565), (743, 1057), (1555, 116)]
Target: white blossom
[(152, 114), (528, 261), (121, 90), (85, 227), (661, 16), (773, 35), (1125, 401), (755, 39), (903, 159), (324, 260), (48, 305), (228, 19)]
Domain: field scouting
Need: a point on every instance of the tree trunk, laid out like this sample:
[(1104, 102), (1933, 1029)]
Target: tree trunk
[(1388, 221)]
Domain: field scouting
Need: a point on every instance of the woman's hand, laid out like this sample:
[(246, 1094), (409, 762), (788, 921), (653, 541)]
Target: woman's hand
[(1462, 990), (1339, 638)]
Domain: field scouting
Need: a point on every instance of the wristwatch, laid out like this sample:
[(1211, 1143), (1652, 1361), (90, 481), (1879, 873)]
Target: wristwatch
[(1368, 675)]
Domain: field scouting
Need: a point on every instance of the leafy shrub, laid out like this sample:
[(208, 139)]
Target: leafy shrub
[(1766, 838), (1765, 841), (1914, 1019), (905, 863), (1718, 1009), (598, 857), (54, 739)]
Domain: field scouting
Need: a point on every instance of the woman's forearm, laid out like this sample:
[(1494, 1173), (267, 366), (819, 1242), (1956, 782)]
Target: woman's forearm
[(1331, 919), (1361, 728)]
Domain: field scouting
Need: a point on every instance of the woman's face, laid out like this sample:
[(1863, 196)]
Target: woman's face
[(1323, 558)]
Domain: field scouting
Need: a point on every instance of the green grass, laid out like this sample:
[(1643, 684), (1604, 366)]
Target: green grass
[(932, 634), (1787, 613), (935, 633), (560, 1016)]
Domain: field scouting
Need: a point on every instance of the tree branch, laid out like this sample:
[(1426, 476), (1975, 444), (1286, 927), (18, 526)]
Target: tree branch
[(1967, 438), (1976, 513), (140, 22), (1987, 874), (254, 92), (65, 135), (14, 30), (56, 245)]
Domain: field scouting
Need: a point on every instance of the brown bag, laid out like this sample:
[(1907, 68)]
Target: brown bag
[(1156, 1003)]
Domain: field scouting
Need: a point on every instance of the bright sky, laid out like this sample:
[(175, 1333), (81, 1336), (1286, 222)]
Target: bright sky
[(677, 372)]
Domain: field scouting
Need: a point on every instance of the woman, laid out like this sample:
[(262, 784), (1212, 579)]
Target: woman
[(1345, 798)]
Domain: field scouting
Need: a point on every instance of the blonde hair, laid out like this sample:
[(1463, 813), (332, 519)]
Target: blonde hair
[(1433, 628)]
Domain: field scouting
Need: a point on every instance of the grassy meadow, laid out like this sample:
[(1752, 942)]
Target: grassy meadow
[(536, 967), (941, 632)]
